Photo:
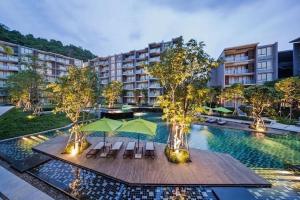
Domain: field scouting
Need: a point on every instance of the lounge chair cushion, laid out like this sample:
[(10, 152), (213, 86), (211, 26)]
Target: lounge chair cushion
[(149, 146), (117, 146), (130, 146)]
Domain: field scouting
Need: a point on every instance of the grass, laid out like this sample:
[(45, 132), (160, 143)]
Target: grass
[(17, 123)]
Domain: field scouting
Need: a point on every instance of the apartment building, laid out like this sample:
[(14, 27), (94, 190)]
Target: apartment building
[(129, 68), (296, 56), (50, 65), (247, 64)]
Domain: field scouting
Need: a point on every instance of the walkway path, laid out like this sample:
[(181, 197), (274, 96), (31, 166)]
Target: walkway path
[(14, 188), (4, 109)]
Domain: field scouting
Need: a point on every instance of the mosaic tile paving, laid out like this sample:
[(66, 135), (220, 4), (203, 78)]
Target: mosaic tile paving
[(85, 184)]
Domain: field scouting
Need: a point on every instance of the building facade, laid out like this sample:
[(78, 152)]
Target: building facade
[(50, 65), (285, 64), (247, 64), (296, 56), (129, 68)]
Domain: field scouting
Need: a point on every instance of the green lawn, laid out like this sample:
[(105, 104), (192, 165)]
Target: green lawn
[(16, 123)]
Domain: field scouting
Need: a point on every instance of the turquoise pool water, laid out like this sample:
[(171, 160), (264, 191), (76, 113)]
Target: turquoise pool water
[(255, 151)]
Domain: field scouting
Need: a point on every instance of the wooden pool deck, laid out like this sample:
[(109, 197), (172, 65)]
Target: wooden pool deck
[(207, 168)]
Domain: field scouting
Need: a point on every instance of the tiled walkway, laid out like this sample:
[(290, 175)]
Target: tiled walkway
[(15, 188)]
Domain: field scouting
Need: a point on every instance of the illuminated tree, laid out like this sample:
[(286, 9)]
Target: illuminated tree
[(290, 90), (233, 93), (26, 86), (112, 92), (183, 70), (260, 99), (73, 93)]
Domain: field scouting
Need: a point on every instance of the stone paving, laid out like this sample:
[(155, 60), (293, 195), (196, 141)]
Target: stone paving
[(4, 109), (15, 188)]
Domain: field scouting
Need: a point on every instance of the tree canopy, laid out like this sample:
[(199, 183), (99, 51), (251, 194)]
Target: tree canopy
[(183, 72), (289, 89), (52, 45), (260, 98), (112, 92)]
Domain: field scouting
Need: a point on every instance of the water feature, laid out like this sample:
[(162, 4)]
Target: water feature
[(268, 155)]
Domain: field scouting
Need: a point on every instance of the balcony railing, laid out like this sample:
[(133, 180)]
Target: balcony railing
[(9, 58), (128, 73), (241, 82), (155, 86), (9, 68), (237, 59), (157, 50), (244, 71)]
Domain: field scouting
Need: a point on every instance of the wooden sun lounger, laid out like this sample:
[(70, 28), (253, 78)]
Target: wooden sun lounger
[(129, 150), (95, 150), (115, 149), (150, 150)]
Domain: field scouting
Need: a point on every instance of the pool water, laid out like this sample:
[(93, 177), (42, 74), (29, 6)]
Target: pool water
[(268, 155)]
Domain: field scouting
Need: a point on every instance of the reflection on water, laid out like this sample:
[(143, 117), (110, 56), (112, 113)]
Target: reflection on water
[(254, 150)]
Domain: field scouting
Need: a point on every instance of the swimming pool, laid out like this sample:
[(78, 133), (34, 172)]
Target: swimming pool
[(268, 155)]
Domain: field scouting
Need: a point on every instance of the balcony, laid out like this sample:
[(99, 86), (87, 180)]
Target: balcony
[(238, 72), (128, 73), (129, 65), (9, 58), (154, 85), (105, 69), (9, 68), (155, 59), (154, 94), (128, 80), (244, 82), (142, 57), (127, 87), (141, 63), (237, 59), (128, 59), (154, 51), (140, 71)]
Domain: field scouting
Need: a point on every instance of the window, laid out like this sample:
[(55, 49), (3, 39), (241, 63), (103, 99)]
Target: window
[(265, 65), (269, 51), (265, 77)]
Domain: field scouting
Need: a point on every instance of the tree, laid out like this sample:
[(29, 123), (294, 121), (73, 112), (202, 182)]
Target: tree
[(26, 86), (233, 93), (112, 92), (43, 44), (137, 94), (8, 50), (183, 70), (72, 94), (261, 98), (290, 90), (144, 92)]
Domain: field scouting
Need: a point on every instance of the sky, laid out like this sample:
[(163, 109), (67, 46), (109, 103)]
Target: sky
[(108, 27)]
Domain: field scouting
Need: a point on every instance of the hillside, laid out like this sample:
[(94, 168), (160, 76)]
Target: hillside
[(54, 46)]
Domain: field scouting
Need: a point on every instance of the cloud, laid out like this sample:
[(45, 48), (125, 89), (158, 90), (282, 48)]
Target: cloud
[(110, 27)]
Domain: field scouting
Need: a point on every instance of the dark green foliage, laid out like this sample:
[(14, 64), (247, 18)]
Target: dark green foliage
[(44, 44), (16, 123)]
